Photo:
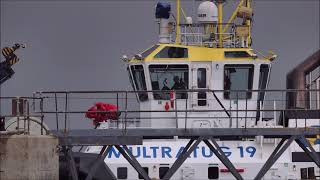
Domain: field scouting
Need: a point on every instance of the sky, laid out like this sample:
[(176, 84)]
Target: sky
[(77, 44)]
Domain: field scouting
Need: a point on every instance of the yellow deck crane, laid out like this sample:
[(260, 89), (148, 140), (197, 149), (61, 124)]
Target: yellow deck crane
[(6, 71)]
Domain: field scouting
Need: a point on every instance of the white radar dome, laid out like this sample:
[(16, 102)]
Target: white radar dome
[(207, 12)]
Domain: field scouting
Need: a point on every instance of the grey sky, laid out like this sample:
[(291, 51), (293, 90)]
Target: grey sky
[(77, 45)]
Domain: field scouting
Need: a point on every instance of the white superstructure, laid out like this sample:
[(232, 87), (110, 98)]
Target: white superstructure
[(208, 78)]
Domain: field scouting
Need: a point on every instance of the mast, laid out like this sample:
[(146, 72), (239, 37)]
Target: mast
[(178, 22), (220, 18), (248, 23)]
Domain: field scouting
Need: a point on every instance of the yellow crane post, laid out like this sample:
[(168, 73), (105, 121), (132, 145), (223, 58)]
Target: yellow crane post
[(178, 34), (233, 16), (220, 17), (248, 23)]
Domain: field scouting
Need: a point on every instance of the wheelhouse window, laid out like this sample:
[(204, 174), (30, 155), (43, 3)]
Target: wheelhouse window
[(139, 81), (169, 77), (263, 80), (130, 78), (172, 52), (202, 84), (238, 78)]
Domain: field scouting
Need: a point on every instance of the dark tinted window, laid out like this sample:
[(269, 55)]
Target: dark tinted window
[(238, 77), (172, 52), (264, 71), (169, 77), (213, 172), (163, 171), (302, 157), (130, 78), (202, 96), (139, 81), (202, 83), (236, 54), (122, 173), (149, 51), (202, 77), (304, 173), (146, 169)]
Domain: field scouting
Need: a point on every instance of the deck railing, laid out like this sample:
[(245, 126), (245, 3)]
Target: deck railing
[(21, 112), (65, 110), (201, 35)]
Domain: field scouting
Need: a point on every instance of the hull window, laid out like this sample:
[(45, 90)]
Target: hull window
[(172, 52), (301, 157), (163, 171), (122, 173), (304, 173), (146, 169), (238, 79), (139, 81), (169, 77), (213, 173)]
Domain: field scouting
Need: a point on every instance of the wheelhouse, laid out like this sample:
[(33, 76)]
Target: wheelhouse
[(173, 78)]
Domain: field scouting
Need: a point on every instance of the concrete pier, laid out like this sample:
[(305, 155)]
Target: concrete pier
[(29, 157)]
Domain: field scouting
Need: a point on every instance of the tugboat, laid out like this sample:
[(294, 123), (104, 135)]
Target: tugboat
[(205, 74)]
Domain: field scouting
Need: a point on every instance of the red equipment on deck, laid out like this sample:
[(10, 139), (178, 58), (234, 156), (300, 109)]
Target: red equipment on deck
[(102, 112)]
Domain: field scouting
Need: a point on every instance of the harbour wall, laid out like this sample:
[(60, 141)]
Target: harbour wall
[(29, 157)]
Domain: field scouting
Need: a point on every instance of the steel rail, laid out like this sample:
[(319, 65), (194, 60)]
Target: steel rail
[(179, 91)]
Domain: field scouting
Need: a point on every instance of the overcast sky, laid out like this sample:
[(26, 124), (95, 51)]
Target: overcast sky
[(77, 45)]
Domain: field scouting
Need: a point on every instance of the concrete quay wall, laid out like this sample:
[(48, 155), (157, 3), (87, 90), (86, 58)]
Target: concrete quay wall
[(29, 157)]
